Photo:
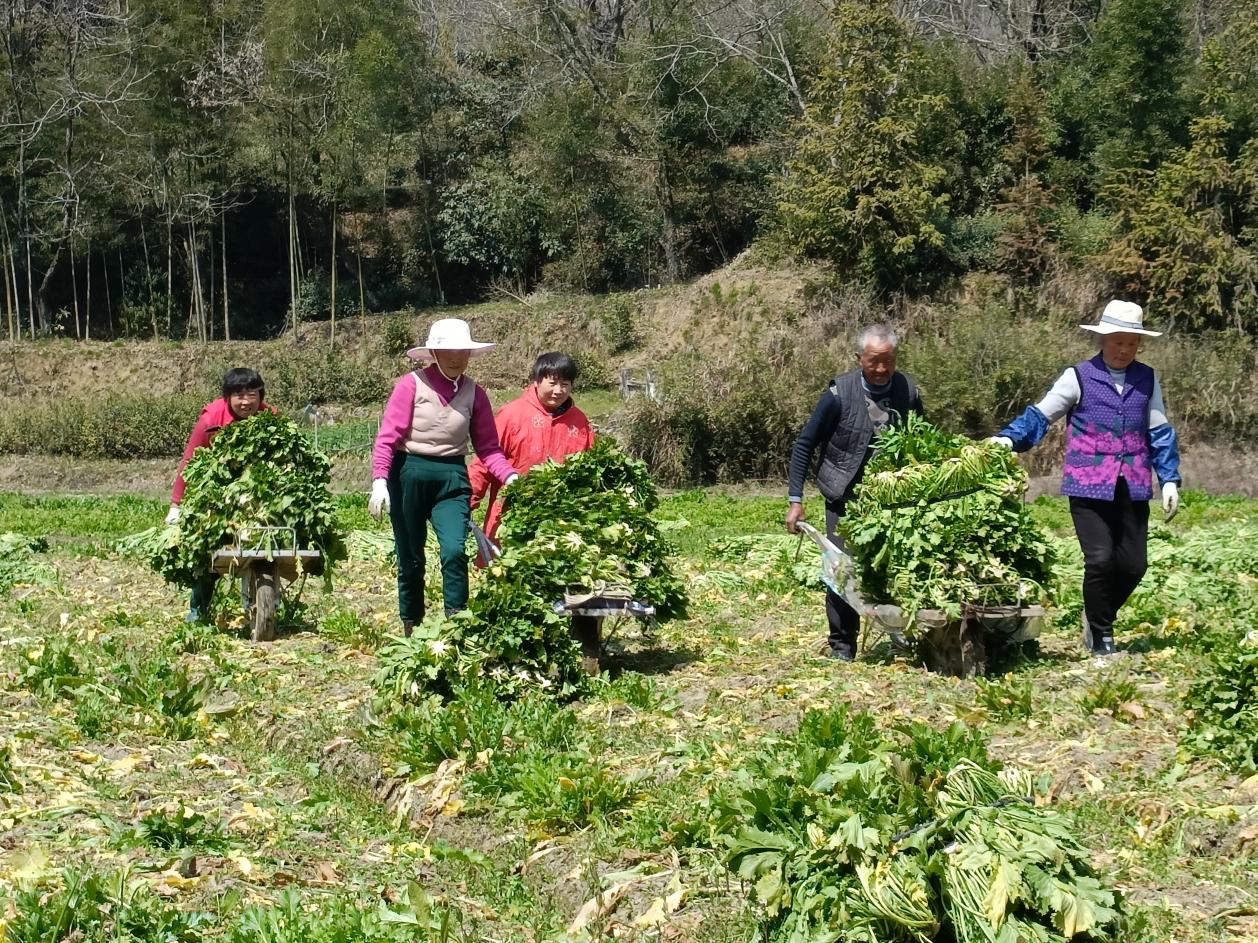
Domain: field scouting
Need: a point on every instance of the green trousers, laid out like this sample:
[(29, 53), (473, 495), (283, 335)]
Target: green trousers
[(425, 489)]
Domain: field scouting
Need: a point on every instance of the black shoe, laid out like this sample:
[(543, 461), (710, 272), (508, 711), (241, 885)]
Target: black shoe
[(407, 628), (841, 652), (1098, 643), (1103, 645)]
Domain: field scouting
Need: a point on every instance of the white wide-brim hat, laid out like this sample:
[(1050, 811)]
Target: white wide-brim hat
[(1121, 317), (448, 334)]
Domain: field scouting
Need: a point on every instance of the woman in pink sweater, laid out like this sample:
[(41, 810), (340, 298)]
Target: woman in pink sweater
[(419, 464)]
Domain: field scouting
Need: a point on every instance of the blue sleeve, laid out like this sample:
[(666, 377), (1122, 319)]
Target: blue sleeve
[(1164, 445), (1027, 430), (816, 432)]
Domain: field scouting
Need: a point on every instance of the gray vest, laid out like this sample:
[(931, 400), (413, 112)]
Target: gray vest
[(843, 458)]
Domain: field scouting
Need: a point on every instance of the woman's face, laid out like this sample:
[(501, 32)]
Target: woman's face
[(245, 403), (452, 362), (1119, 350), (553, 392)]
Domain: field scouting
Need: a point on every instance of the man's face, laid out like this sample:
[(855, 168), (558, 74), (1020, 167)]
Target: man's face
[(877, 362), (553, 392), (1119, 350), (245, 403)]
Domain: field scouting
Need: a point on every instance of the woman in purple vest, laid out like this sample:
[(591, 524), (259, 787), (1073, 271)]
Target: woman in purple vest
[(1117, 435)]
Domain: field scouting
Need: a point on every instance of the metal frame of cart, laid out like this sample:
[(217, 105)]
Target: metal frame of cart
[(950, 645), (587, 607), (265, 558)]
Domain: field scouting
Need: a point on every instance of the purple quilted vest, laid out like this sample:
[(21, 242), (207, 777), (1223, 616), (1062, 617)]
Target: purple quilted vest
[(1107, 434)]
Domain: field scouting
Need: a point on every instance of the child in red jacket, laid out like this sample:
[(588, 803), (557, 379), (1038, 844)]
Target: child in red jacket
[(542, 423), (243, 396)]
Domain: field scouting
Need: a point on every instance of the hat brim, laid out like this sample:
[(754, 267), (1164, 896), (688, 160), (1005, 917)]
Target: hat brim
[(473, 348), (1115, 329)]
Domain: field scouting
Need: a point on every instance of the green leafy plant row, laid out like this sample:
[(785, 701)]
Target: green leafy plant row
[(116, 906), (1223, 704)]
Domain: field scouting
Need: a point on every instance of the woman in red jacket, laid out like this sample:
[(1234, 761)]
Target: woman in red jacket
[(542, 423), (244, 394)]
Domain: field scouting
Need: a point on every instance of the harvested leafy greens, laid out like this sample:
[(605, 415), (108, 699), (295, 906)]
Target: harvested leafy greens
[(938, 522), (258, 472), (847, 833), (585, 524)]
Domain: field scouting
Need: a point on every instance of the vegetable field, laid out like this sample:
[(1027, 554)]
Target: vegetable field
[(161, 781)]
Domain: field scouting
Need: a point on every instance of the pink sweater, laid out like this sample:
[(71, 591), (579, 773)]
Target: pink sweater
[(214, 416), (395, 426)]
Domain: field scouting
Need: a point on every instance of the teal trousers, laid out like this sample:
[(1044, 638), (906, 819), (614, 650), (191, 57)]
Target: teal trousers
[(423, 489)]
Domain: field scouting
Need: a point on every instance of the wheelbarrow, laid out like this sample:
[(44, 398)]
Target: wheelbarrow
[(586, 606), (947, 644), (265, 558)]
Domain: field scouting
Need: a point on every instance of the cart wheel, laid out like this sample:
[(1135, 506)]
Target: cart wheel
[(585, 629), (264, 602), (955, 647)]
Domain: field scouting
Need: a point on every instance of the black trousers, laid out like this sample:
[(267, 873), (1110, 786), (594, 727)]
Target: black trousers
[(1113, 536), (845, 622)]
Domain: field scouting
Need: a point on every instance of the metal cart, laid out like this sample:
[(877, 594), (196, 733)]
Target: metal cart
[(947, 644), (265, 558), (587, 607)]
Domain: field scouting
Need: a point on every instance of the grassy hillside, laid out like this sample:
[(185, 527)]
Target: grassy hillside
[(740, 356)]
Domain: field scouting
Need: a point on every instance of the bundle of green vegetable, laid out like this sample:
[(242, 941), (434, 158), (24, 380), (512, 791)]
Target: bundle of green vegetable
[(585, 524), (18, 565), (848, 834), (938, 522), (257, 473)]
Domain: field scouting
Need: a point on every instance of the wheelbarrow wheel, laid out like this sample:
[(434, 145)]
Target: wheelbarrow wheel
[(585, 629), (264, 604)]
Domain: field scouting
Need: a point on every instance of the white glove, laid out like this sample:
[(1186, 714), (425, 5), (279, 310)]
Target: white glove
[(172, 516), (1170, 499), (1001, 440), (510, 478), (379, 500)]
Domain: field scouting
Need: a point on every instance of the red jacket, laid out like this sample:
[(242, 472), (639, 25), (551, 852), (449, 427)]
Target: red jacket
[(214, 416), (529, 436)]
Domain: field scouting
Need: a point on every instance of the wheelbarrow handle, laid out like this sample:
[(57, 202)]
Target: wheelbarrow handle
[(489, 550)]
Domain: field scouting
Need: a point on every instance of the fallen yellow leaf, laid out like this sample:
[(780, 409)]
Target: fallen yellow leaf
[(243, 864), (29, 866), (653, 916)]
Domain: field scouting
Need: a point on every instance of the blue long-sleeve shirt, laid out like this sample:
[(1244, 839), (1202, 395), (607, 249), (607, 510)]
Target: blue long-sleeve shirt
[(1029, 428)]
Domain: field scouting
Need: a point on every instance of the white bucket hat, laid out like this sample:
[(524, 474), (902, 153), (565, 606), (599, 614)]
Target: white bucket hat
[(1121, 317), (448, 334)]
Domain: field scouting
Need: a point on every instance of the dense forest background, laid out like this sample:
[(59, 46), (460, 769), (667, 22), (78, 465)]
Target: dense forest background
[(213, 169)]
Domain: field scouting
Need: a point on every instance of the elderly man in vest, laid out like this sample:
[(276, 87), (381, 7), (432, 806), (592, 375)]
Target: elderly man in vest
[(1117, 435), (851, 412)]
